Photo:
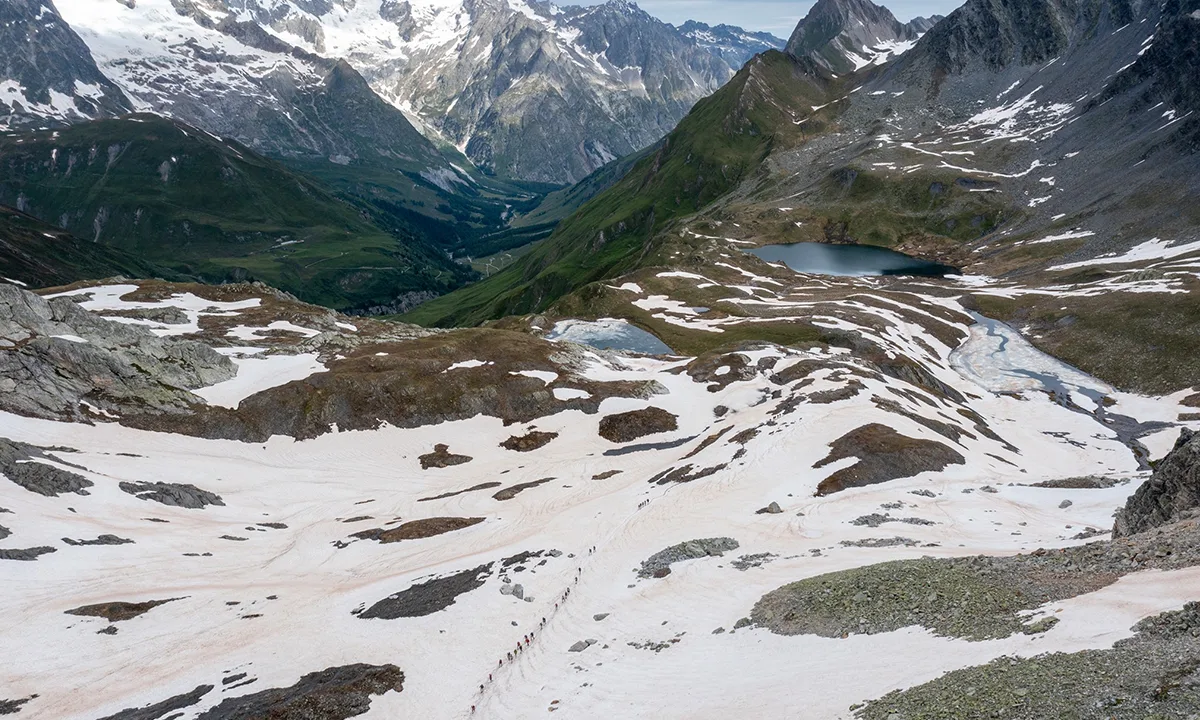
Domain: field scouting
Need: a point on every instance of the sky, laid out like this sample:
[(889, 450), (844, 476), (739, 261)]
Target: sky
[(774, 16)]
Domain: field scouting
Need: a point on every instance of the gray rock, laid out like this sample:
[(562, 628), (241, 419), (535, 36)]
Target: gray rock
[(599, 616), (772, 509), (4, 532), (173, 494), (1172, 492), (38, 477), (506, 589), (518, 591), (659, 564), (120, 368), (101, 540), (1065, 504), (581, 645), (26, 553)]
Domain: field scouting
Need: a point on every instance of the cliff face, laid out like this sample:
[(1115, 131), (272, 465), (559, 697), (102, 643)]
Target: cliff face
[(1171, 494)]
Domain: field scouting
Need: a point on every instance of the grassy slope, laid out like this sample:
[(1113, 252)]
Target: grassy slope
[(181, 198), (723, 140), (42, 255)]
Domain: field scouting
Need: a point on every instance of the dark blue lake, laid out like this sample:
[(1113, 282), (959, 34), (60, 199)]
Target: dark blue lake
[(852, 260)]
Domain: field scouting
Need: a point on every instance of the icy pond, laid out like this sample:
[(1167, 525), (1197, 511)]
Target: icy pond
[(609, 334), (825, 259)]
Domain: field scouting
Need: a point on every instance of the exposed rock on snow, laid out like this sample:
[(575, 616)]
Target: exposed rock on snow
[(441, 457), (118, 611), (628, 426), (164, 708), (883, 454), (690, 550), (26, 553), (10, 707), (106, 539), (1172, 492), (336, 693), (428, 597), (417, 529), (528, 442), (509, 493), (19, 463), (452, 493), (173, 494)]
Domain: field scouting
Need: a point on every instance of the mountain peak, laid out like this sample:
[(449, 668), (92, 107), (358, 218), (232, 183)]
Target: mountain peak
[(846, 35)]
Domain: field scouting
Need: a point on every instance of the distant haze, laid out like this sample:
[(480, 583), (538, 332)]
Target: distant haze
[(778, 17)]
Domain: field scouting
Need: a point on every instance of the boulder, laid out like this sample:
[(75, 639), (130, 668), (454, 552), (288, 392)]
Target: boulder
[(628, 426), (1172, 493)]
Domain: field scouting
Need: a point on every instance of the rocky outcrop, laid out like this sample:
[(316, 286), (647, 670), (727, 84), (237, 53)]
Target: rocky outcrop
[(528, 442), (174, 494), (628, 426), (417, 529), (335, 693), (883, 454), (512, 491), (163, 708), (19, 463), (426, 598), (441, 457), (26, 554), (118, 611), (105, 539), (58, 361), (1172, 493), (659, 564)]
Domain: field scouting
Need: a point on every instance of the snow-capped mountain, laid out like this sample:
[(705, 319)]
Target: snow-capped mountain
[(47, 75), (525, 89), (733, 43), (847, 35), (203, 64)]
